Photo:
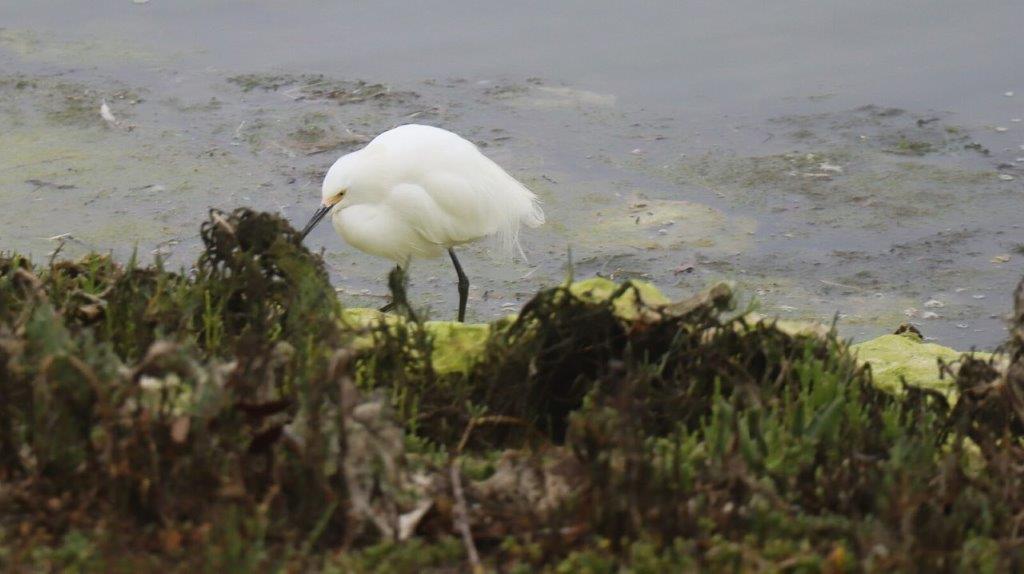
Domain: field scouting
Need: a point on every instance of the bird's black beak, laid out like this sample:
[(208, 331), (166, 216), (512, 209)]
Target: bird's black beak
[(320, 213)]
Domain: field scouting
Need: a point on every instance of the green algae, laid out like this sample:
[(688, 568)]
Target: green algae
[(58, 151), (873, 185), (456, 347), (60, 50), (857, 168), (840, 181), (82, 160), (906, 358), (654, 224), (628, 305)]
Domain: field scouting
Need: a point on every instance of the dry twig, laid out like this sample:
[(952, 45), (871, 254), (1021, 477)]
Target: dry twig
[(461, 517)]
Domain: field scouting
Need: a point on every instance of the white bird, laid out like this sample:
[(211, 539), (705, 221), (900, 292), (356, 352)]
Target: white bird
[(416, 191)]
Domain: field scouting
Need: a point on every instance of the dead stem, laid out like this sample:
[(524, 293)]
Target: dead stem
[(461, 518)]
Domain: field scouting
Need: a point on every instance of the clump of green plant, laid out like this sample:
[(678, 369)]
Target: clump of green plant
[(692, 426), (161, 398), (228, 418)]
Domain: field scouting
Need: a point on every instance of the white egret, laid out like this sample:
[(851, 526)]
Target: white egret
[(416, 191)]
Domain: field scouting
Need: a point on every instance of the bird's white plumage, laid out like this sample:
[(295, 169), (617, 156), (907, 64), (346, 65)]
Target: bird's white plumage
[(416, 190)]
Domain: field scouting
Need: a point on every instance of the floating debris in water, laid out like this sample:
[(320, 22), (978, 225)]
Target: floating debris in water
[(684, 268), (106, 114), (1008, 94), (930, 315), (1001, 259), (1006, 177), (826, 166), (934, 304), (1001, 128)]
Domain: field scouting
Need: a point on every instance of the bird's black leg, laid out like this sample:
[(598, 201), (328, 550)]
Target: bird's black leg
[(391, 304), (463, 285)]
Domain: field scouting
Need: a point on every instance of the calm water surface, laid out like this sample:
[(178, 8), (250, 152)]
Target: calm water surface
[(850, 158)]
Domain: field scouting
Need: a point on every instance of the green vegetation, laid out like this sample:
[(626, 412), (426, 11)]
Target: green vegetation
[(235, 418)]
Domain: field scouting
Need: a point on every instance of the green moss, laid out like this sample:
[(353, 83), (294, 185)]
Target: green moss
[(599, 289), (898, 358), (458, 346)]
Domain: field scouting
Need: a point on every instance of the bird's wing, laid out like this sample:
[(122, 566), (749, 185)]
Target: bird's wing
[(435, 223), (469, 195)]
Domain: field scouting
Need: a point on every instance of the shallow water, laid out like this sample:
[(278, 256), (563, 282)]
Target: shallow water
[(831, 157)]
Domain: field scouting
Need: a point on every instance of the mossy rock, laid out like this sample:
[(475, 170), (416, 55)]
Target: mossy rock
[(792, 327), (597, 289), (458, 345), (895, 358)]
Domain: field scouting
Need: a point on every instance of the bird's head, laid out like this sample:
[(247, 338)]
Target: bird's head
[(336, 184)]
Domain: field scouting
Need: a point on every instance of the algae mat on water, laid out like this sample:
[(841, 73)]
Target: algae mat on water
[(236, 418)]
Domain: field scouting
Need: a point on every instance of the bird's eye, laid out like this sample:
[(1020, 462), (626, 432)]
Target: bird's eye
[(335, 198)]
